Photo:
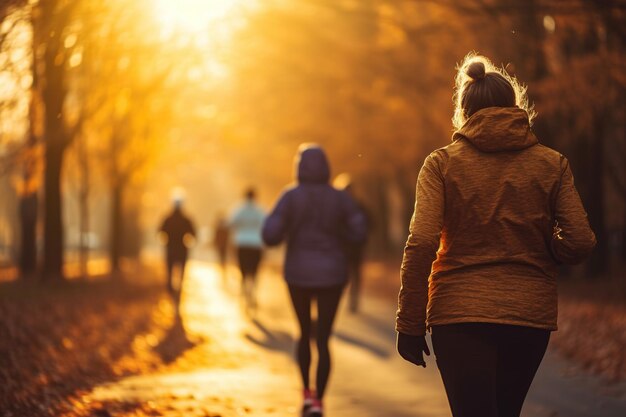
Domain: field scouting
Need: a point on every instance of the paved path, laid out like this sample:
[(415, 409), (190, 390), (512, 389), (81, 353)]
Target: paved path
[(238, 366)]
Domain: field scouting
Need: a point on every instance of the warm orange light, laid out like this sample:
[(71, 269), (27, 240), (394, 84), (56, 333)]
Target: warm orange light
[(194, 17)]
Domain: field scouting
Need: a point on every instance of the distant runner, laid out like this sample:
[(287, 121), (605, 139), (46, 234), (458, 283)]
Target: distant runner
[(177, 229), (246, 224)]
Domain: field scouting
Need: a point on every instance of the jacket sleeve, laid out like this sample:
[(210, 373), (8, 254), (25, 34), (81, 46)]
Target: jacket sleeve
[(421, 248), (191, 228), (164, 227), (572, 240), (276, 224)]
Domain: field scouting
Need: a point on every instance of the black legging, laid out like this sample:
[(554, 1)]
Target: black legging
[(249, 259), (327, 302), (172, 261), (487, 368)]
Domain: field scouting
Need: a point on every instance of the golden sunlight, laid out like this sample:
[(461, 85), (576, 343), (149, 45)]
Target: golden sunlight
[(193, 16)]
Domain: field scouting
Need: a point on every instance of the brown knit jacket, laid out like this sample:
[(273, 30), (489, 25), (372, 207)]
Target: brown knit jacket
[(497, 212)]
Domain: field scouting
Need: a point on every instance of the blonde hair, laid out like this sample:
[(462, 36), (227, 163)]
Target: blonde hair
[(480, 84)]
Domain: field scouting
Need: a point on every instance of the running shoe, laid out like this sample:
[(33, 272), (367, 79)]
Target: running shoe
[(309, 397), (316, 409)]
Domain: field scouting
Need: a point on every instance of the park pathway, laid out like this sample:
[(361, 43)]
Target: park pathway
[(225, 363)]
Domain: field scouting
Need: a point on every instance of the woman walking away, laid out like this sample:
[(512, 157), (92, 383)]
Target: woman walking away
[(497, 212), (316, 220)]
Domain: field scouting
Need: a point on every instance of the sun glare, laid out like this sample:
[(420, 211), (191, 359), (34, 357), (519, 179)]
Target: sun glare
[(194, 16)]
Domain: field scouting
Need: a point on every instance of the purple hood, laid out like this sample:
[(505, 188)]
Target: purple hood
[(312, 165)]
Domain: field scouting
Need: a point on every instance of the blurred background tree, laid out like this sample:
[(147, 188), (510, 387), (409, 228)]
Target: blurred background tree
[(106, 106)]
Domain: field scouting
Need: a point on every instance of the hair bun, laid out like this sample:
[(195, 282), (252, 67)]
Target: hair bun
[(476, 70)]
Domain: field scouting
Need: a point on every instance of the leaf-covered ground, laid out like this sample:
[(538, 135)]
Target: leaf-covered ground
[(592, 327), (59, 339)]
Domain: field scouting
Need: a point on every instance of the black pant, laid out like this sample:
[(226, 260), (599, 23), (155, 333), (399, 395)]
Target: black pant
[(249, 259), (354, 272), (173, 260), (487, 368), (327, 302)]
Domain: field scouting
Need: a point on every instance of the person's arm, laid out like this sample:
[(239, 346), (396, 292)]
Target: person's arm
[(189, 238), (163, 232), (572, 240), (419, 253), (260, 213), (421, 247), (235, 218), (191, 229), (276, 224)]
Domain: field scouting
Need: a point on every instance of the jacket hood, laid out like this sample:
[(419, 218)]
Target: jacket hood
[(497, 129), (312, 165)]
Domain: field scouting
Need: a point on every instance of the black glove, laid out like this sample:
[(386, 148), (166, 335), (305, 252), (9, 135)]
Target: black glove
[(411, 348)]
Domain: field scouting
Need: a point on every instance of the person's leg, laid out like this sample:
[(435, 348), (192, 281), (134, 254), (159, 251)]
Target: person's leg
[(221, 253), (169, 261), (466, 356), (255, 260), (248, 256), (182, 264), (175, 283), (242, 260), (355, 283), (327, 302), (301, 301), (520, 353), (249, 297)]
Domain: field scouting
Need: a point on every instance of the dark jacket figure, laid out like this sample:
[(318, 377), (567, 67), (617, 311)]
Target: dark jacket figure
[(354, 251), (316, 220), (176, 226)]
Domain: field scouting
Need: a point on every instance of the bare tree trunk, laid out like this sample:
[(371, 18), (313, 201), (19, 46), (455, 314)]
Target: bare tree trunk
[(28, 225), (595, 203), (623, 243), (531, 48), (53, 225), (53, 93), (116, 205), (132, 231), (116, 228), (29, 202), (84, 207)]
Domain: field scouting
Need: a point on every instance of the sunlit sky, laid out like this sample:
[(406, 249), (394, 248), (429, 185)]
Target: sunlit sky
[(194, 16)]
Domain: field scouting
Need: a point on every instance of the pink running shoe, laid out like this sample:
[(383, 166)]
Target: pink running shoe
[(316, 410), (309, 398)]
